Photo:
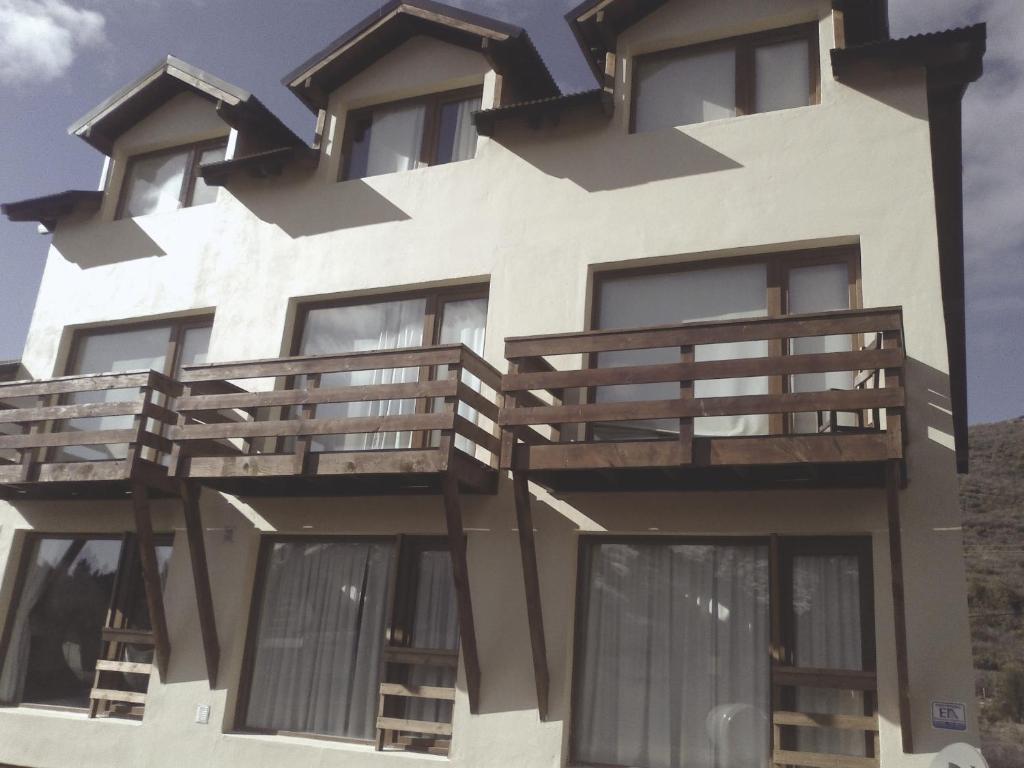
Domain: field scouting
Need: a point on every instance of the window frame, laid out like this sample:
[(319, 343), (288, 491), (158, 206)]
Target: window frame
[(781, 551), (400, 599), (188, 185), (119, 599), (431, 126), (746, 73), (778, 266)]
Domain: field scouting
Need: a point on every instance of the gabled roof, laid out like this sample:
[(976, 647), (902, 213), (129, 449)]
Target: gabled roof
[(237, 107), (598, 23), (48, 209), (508, 47)]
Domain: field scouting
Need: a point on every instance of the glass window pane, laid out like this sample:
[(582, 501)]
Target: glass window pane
[(365, 328), (195, 344), (828, 635), (318, 643), (153, 184), (783, 76), (685, 89), (391, 143), (58, 621), (201, 192), (457, 135), (673, 668)]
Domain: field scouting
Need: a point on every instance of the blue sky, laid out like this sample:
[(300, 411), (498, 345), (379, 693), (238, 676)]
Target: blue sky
[(59, 58)]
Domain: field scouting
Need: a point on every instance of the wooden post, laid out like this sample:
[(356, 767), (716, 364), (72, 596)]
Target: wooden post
[(201, 579), (894, 426), (151, 577), (892, 495), (686, 355), (307, 412), (531, 581), (460, 571)]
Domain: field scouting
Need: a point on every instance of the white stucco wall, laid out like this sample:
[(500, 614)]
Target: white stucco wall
[(534, 213)]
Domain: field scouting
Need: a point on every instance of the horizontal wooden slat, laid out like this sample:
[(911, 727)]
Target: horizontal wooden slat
[(414, 726), (412, 357), (418, 691), (816, 760), (476, 434), (477, 402), (128, 667), (403, 462), (821, 720), (843, 322), (129, 697), (354, 425), (77, 411), (364, 393), (422, 656), (842, 679), (63, 439), (67, 384), (130, 636), (83, 471), (480, 368), (705, 370)]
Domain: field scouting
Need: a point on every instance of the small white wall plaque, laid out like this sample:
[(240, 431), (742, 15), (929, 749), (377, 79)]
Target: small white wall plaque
[(949, 716), (203, 714)]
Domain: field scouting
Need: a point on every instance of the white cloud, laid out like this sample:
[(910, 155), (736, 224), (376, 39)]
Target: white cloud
[(39, 39)]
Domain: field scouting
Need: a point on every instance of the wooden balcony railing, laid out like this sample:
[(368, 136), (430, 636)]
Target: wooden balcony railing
[(787, 721), (372, 421), (396, 729), (557, 426), (85, 435)]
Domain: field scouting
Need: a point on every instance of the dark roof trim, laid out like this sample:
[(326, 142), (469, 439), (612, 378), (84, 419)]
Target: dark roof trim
[(597, 24), (237, 107), (259, 165), (538, 111), (952, 60), (508, 47), (47, 210), (9, 370)]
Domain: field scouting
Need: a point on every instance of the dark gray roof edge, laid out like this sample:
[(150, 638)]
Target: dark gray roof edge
[(46, 207)]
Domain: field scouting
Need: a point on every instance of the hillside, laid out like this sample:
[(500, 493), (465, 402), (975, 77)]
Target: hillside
[(992, 500)]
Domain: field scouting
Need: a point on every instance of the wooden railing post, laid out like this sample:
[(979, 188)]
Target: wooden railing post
[(307, 412), (894, 426), (893, 478), (509, 400), (686, 385), (531, 582), (151, 577), (450, 407), (176, 465)]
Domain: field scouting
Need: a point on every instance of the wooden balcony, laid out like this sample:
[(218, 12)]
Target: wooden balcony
[(392, 421), (559, 430), (85, 436)]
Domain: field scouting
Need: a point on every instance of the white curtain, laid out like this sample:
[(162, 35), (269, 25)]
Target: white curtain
[(674, 656), (396, 137), (826, 604), (319, 641), (783, 78), (435, 625), (464, 136), (154, 184), (819, 289), (720, 293), (682, 89), (365, 328), (464, 322)]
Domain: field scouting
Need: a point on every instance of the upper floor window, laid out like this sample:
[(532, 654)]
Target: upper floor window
[(414, 133), (739, 76), (169, 179)]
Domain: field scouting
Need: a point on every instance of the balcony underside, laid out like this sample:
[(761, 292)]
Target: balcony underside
[(847, 460), (350, 473), (110, 479)]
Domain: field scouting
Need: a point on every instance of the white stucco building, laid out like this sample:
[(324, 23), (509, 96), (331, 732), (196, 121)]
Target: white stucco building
[(502, 426)]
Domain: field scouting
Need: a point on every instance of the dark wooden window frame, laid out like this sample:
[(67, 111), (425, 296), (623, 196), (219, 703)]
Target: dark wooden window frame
[(188, 184), (401, 592), (781, 551), (120, 597), (778, 267), (746, 75), (356, 118)]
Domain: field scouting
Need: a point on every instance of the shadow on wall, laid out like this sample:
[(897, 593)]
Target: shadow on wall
[(107, 243), (311, 207), (605, 160)]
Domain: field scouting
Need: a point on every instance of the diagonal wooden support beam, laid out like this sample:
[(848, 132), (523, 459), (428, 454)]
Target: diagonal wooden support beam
[(460, 569), (201, 579), (531, 582), (892, 496), (151, 577)]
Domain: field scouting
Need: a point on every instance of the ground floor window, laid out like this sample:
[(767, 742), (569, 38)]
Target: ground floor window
[(324, 612), (675, 640)]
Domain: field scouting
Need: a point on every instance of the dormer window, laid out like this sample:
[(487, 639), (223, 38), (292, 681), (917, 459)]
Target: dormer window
[(740, 76), (414, 133), (169, 179)]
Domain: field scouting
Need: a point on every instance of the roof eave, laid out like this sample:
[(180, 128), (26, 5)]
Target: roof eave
[(49, 209)]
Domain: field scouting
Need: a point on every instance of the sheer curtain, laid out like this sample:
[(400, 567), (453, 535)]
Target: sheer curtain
[(720, 293), (457, 134), (364, 328), (465, 322), (435, 624), (827, 610), (675, 90), (783, 75), (673, 656), (319, 640), (395, 139), (154, 184)]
